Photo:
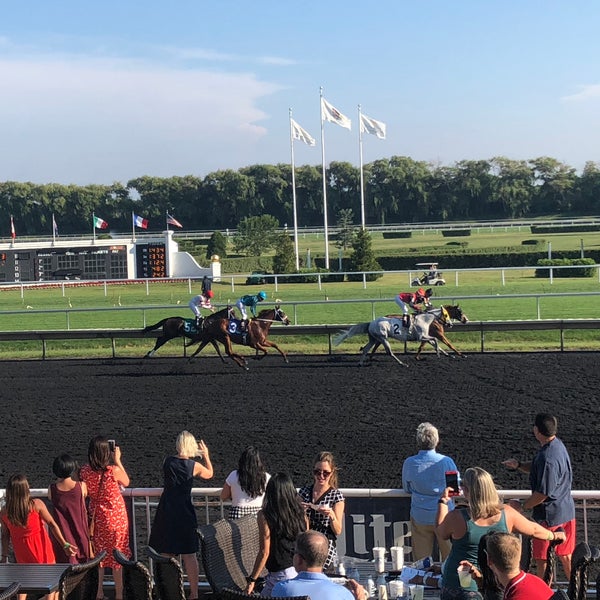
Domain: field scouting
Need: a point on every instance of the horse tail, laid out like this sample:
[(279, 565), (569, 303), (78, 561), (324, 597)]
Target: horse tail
[(348, 333), (155, 326)]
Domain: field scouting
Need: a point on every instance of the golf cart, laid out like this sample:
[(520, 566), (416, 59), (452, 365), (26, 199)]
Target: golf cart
[(431, 276)]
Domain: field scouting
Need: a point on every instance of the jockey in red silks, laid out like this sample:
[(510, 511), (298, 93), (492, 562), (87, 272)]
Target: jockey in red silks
[(201, 301), (416, 300)]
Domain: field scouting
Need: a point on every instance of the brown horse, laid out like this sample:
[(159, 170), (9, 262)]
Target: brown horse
[(173, 327), (220, 327)]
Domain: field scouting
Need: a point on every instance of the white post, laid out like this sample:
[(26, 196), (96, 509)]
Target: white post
[(324, 181), (362, 182), (294, 196)]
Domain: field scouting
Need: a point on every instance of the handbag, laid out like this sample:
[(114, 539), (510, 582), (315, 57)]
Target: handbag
[(92, 524)]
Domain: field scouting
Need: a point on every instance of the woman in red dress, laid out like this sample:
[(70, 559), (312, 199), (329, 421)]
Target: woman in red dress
[(24, 521), (107, 507)]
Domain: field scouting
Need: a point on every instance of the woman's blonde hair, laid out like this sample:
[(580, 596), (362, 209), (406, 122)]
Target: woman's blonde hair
[(484, 501), (186, 445)]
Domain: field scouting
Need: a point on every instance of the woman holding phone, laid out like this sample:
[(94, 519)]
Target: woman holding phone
[(465, 528), (104, 475)]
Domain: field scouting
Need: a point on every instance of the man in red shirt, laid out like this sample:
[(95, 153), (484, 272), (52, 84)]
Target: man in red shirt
[(504, 554)]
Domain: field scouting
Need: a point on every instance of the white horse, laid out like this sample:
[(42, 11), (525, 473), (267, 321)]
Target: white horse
[(383, 328)]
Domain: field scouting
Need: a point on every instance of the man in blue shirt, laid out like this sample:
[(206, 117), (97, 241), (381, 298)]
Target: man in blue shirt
[(551, 479), (310, 556), (424, 478)]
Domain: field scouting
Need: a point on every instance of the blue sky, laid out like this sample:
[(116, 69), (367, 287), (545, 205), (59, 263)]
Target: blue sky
[(98, 92)]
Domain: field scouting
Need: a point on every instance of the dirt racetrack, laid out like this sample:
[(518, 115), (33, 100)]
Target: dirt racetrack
[(484, 406)]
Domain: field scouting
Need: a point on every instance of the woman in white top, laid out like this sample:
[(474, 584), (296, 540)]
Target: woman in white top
[(245, 487)]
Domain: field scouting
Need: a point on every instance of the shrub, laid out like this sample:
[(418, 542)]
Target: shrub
[(583, 271), (456, 232), (390, 235), (533, 242)]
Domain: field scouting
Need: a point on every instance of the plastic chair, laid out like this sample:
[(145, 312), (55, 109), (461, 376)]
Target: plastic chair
[(137, 581), (227, 594), (228, 550), (168, 576), (80, 582), (10, 593)]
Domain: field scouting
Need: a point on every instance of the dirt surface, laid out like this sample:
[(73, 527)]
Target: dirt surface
[(484, 406)]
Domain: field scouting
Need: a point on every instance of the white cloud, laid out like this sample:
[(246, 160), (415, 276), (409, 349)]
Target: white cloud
[(585, 93), (97, 120)]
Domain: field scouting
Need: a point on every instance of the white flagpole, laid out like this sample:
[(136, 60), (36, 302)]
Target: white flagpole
[(324, 180), (294, 194), (167, 219), (53, 230), (132, 227), (362, 181), (94, 228)]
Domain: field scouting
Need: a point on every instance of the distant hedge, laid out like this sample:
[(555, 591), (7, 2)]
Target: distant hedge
[(584, 271), (533, 242), (565, 229), (390, 235), (456, 232)]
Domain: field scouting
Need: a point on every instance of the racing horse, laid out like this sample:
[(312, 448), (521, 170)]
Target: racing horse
[(422, 329), (173, 327), (221, 327)]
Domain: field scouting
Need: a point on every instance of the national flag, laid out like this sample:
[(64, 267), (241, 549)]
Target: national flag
[(368, 125), (298, 133), (13, 233), (140, 222), (333, 115), (173, 221), (100, 223), (54, 226)]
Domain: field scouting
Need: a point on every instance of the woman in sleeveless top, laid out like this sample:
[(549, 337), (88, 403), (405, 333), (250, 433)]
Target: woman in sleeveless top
[(466, 526), (279, 523), (69, 510)]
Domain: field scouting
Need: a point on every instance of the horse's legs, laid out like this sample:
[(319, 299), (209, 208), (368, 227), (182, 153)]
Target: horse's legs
[(238, 358), (203, 345), (159, 342), (388, 350), (268, 344), (446, 341)]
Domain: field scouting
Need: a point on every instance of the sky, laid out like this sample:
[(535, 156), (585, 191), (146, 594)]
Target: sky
[(104, 92)]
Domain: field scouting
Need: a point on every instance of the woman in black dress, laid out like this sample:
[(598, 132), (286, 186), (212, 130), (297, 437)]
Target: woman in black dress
[(175, 523)]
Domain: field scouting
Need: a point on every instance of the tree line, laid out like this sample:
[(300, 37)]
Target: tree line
[(397, 190)]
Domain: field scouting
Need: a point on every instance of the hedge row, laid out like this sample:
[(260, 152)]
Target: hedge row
[(390, 235), (566, 229), (456, 232), (566, 262)]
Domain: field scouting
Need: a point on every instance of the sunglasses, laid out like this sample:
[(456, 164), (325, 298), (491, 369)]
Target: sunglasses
[(319, 472)]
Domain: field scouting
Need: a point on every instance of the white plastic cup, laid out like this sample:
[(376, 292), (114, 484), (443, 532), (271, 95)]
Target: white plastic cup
[(416, 592), (464, 576), (397, 555), (382, 592), (379, 558), (396, 588)]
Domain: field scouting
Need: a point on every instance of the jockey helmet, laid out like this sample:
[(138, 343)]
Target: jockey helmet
[(262, 295), (210, 294), (429, 293), (420, 292)]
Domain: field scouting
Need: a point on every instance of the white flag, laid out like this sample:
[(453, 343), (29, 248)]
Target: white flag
[(298, 133), (368, 125), (333, 115)]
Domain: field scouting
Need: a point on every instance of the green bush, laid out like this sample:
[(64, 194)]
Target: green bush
[(539, 242), (459, 244), (391, 235), (584, 271), (565, 229), (456, 232)]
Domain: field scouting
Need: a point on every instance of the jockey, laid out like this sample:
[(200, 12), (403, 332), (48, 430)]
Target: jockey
[(250, 301), (201, 301), (417, 301)]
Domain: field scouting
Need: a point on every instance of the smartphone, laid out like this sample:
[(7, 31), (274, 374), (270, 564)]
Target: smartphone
[(112, 445), (452, 482)]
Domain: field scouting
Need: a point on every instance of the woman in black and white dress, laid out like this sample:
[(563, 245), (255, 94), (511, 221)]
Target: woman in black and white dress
[(324, 503)]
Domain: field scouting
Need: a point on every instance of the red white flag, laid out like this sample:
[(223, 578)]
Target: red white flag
[(100, 223), (13, 233), (172, 221), (333, 115), (140, 222)]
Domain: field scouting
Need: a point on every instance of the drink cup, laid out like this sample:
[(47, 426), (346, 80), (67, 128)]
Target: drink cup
[(396, 588), (416, 592), (379, 558), (464, 576), (397, 555)]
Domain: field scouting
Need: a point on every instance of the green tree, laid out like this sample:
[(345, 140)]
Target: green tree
[(363, 257), (284, 260), (217, 244), (255, 235), (345, 228)]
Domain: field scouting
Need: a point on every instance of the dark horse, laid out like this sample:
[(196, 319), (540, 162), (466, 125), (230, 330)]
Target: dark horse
[(173, 327), (219, 327)]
